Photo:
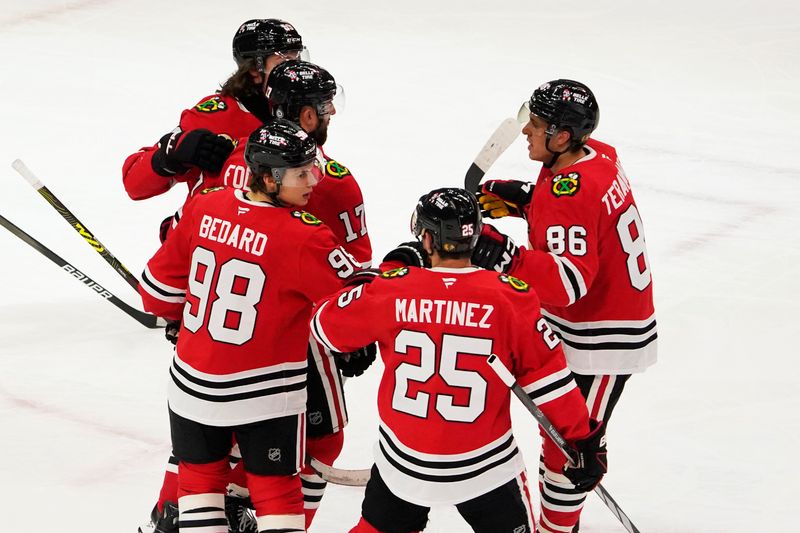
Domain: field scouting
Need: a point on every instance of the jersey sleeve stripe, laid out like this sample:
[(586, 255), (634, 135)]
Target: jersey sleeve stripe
[(568, 283), (551, 387), (319, 333), (571, 277), (161, 291)]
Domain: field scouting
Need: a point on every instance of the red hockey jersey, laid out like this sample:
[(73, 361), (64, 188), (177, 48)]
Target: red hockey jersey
[(445, 426), (336, 200), (588, 263), (216, 113), (243, 277)]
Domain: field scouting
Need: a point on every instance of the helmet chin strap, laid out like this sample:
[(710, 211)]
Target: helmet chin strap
[(277, 175), (555, 156)]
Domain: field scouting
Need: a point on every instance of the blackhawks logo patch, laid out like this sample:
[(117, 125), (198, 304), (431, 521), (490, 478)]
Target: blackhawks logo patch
[(211, 189), (566, 185), (306, 218), (212, 105), (515, 283), (395, 273), (336, 169)]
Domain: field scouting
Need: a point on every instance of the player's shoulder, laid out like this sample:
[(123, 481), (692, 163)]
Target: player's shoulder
[(304, 225), (333, 168), (214, 103), (209, 111), (514, 292), (588, 178)]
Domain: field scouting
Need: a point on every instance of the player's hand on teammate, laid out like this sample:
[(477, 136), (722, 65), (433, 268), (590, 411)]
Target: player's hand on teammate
[(494, 251), (592, 463), (200, 148), (171, 331), (502, 198), (360, 277), (353, 364), (409, 253)]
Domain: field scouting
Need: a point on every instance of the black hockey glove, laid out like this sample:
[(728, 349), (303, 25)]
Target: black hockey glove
[(592, 463), (502, 198), (360, 277), (200, 148), (353, 364), (410, 253), (495, 250), (171, 331)]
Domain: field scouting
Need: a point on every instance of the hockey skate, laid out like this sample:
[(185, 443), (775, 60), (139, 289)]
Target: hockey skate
[(241, 518), (163, 522)]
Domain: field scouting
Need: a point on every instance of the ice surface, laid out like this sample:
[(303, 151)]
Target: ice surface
[(701, 99)]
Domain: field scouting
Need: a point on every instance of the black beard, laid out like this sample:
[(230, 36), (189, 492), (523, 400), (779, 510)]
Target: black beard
[(320, 135)]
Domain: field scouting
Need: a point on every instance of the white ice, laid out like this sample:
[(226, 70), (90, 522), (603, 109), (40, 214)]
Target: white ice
[(700, 98)]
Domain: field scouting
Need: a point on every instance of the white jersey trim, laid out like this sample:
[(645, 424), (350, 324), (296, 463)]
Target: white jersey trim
[(607, 346), (238, 398), (161, 291), (550, 387), (319, 333), (435, 479), (571, 278)]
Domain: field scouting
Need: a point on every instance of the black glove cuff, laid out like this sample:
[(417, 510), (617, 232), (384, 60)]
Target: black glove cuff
[(410, 254), (159, 160)]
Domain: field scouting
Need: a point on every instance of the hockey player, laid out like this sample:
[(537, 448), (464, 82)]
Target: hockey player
[(203, 139), (445, 429), (587, 258), (304, 93), (242, 271)]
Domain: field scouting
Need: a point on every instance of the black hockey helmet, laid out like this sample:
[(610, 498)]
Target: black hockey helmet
[(259, 38), (278, 145), (566, 105), (294, 84), (453, 218)]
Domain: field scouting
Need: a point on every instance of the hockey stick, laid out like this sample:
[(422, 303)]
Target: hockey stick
[(571, 455), (147, 320), (503, 136), (340, 476), (73, 221)]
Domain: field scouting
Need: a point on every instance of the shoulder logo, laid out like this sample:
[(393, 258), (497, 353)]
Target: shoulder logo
[(336, 169), (566, 184), (212, 105), (395, 273), (211, 189), (306, 218), (515, 283)]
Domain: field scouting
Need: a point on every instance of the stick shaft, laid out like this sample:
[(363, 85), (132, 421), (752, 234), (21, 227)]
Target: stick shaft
[(147, 320), (504, 374), (73, 221)]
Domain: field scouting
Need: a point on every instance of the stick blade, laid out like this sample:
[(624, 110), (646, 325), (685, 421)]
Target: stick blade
[(340, 476), (505, 134)]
